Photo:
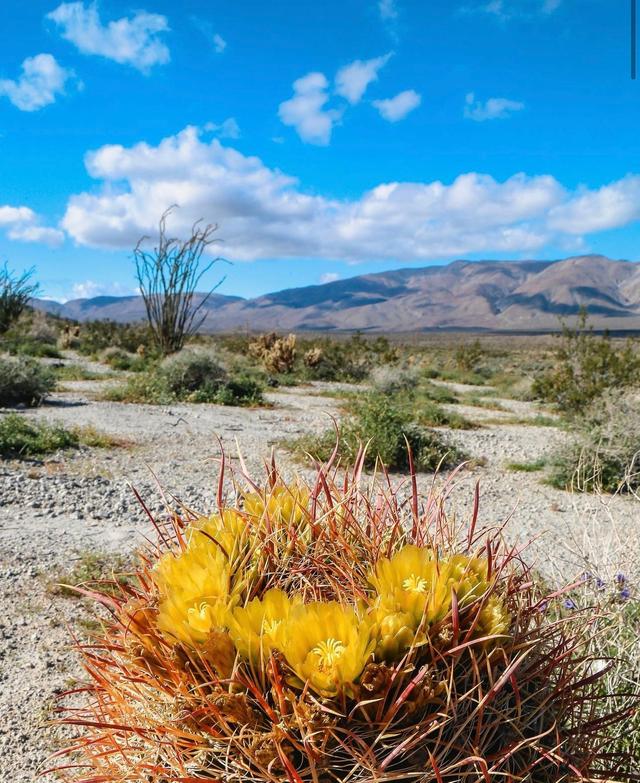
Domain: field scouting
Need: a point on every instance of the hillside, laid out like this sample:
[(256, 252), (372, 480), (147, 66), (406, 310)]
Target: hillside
[(494, 295)]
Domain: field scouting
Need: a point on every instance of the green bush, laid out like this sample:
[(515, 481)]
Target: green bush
[(192, 372), (604, 454), (20, 437), (377, 421), (121, 359), (24, 381), (189, 377), (585, 366), (468, 356), (96, 336)]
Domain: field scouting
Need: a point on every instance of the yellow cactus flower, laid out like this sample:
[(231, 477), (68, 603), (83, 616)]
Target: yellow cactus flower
[(228, 530), (494, 619), (195, 590), (415, 584), (283, 504), (254, 627), (394, 632), (406, 582), (326, 644)]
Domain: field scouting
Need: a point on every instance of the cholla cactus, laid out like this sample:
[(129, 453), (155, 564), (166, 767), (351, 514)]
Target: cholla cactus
[(278, 354), (313, 357), (335, 632)]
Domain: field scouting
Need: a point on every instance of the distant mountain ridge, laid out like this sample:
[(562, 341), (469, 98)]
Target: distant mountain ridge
[(490, 295)]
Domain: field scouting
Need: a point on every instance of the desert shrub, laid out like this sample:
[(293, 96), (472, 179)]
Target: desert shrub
[(21, 437), (239, 390), (24, 381), (144, 388), (189, 376), (376, 420), (604, 453), (15, 293), (585, 365), (192, 371), (30, 346), (468, 356), (96, 336), (395, 380), (337, 630), (121, 359), (32, 334)]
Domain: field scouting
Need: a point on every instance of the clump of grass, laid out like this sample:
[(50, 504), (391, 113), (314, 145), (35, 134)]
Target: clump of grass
[(604, 454), (21, 437), (89, 570), (389, 431), (25, 382), (76, 372), (430, 414), (527, 467)]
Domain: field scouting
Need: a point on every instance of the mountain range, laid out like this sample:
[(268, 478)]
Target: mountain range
[(517, 296)]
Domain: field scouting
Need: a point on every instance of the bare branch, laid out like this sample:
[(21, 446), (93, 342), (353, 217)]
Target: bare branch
[(169, 276)]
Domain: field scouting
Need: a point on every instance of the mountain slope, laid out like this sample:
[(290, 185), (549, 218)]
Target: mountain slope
[(496, 295)]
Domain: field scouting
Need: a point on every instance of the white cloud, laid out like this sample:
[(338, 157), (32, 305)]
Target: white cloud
[(228, 129), (305, 111), (22, 224), (510, 9), (329, 277), (397, 108), (10, 215), (88, 289), (264, 213), (133, 41), (387, 9), (491, 109), (352, 80), (41, 80), (611, 206), (40, 234), (219, 44)]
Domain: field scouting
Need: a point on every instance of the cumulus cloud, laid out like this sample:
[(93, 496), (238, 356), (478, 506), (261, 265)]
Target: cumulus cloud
[(88, 289), (306, 111), (397, 108), (491, 109), (228, 129), (10, 215), (133, 41), (22, 224), (611, 206), (263, 213), (387, 10), (352, 80), (329, 277), (219, 44), (41, 80)]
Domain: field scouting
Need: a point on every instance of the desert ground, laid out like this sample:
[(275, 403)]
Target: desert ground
[(58, 513)]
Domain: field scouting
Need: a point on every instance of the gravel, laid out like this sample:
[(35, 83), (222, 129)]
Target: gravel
[(53, 511)]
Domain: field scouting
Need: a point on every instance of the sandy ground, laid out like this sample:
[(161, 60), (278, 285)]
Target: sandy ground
[(54, 511)]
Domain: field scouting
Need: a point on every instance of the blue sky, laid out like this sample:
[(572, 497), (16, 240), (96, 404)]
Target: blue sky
[(326, 139)]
